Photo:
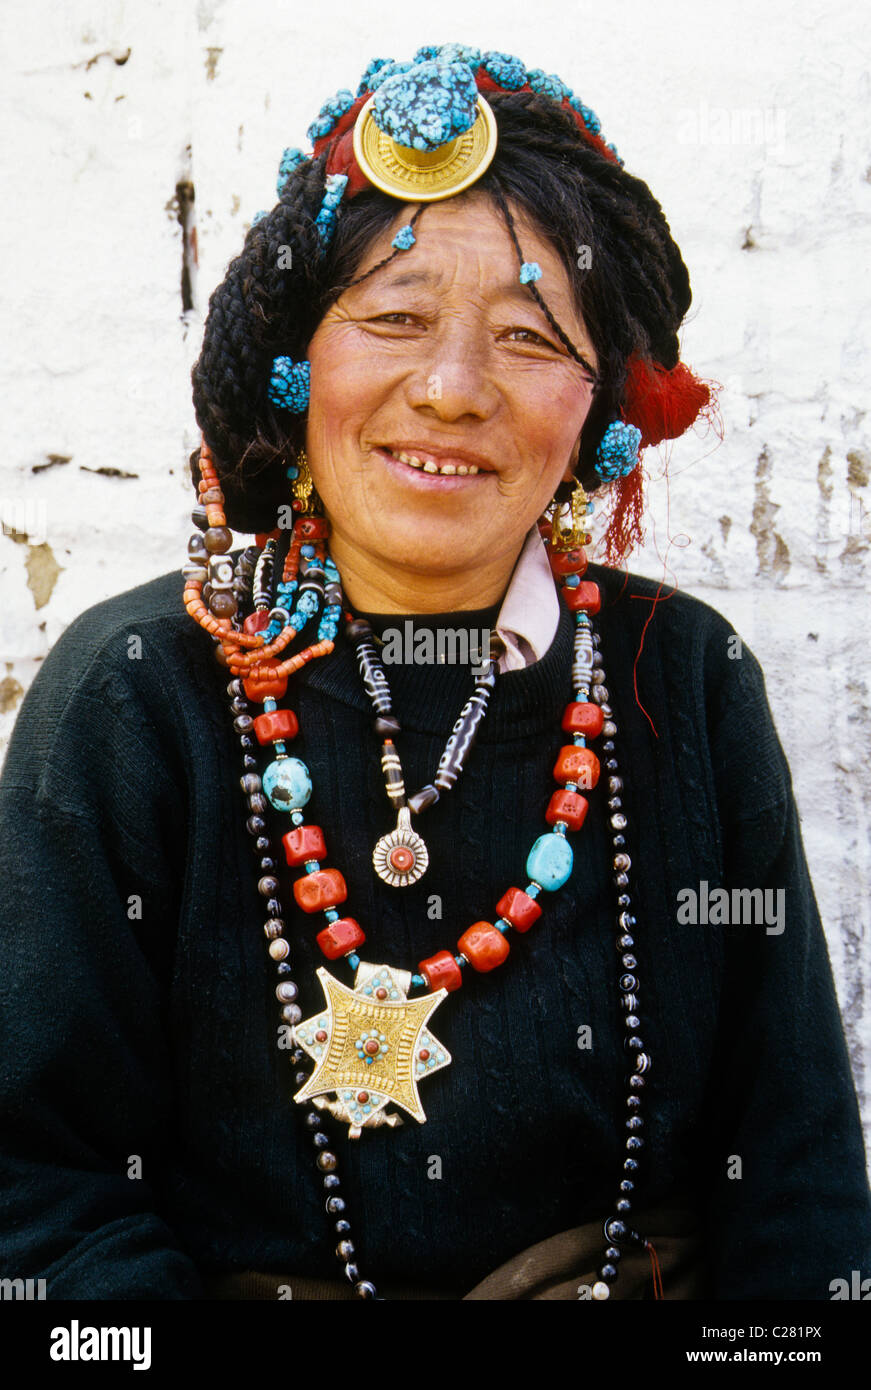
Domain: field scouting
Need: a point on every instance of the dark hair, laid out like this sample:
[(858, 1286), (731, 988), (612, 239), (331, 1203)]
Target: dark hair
[(633, 297)]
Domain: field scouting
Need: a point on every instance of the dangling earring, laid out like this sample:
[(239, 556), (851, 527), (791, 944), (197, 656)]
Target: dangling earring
[(305, 499)]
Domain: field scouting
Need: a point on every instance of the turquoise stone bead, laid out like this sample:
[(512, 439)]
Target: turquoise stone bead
[(288, 784), (550, 861)]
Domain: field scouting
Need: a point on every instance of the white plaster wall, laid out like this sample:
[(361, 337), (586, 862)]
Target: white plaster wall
[(751, 124)]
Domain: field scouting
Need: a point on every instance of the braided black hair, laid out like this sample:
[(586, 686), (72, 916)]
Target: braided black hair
[(633, 297)]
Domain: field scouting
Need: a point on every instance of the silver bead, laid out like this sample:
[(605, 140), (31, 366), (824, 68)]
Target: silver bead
[(291, 1013), (609, 728), (286, 992), (618, 822), (600, 694)]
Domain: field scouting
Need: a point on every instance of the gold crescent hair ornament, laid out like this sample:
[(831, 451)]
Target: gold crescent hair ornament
[(417, 174)]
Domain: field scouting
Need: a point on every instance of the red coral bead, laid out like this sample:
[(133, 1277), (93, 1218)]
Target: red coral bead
[(313, 528), (518, 909), (577, 765), (305, 842), (568, 807), (583, 718), (441, 971), (259, 686), (567, 561), (256, 622), (279, 723), (340, 937), (483, 945), (320, 890), (586, 598)]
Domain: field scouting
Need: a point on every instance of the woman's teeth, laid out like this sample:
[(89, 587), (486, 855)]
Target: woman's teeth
[(447, 470)]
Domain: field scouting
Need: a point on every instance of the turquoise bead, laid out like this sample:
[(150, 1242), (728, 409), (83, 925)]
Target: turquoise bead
[(288, 784), (550, 861)]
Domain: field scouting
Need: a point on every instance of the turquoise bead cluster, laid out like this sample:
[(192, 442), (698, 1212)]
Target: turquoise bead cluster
[(334, 187), (430, 104), (529, 271), (404, 238), (291, 158), (330, 113), (289, 384), (617, 452)]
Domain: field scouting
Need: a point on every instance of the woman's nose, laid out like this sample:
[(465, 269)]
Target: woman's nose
[(455, 377)]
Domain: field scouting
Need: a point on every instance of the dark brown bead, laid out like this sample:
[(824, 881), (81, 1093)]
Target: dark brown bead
[(427, 796), (218, 540)]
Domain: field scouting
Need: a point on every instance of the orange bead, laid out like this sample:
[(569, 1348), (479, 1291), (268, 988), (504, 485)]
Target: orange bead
[(277, 724), (518, 909), (483, 945), (320, 890), (577, 765), (304, 843), (567, 806), (441, 971), (583, 718), (586, 598), (340, 937), (270, 685)]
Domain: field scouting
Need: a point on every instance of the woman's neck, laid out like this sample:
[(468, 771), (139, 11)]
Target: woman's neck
[(372, 588)]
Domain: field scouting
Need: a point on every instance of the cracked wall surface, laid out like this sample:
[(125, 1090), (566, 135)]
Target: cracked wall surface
[(139, 143)]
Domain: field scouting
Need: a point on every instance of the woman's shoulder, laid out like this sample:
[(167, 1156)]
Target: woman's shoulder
[(120, 672)]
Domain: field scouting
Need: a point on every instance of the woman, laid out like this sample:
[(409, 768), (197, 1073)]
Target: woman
[(459, 319)]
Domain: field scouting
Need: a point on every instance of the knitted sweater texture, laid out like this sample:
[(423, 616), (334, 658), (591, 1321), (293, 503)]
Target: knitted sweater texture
[(148, 1135)]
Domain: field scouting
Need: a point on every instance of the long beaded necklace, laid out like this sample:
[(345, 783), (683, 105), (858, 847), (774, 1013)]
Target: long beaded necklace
[(370, 1043)]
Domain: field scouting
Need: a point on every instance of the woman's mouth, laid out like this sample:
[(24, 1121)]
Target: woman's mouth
[(427, 465)]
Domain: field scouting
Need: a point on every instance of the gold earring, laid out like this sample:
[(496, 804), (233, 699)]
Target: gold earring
[(574, 535), (306, 501)]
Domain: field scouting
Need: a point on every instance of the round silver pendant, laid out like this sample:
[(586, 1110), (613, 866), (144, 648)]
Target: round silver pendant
[(401, 857)]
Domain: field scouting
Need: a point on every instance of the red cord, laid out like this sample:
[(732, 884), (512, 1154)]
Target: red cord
[(657, 1271)]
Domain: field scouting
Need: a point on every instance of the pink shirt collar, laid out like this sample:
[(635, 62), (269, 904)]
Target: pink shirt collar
[(529, 616)]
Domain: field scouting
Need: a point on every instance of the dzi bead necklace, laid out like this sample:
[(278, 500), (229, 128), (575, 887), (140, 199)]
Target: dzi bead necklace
[(371, 1043)]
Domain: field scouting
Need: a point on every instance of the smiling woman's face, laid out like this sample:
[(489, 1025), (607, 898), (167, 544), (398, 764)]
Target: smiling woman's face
[(444, 410)]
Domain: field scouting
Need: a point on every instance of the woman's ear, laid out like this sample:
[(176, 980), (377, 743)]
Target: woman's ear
[(569, 475)]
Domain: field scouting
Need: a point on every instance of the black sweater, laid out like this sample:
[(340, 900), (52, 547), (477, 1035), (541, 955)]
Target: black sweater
[(148, 1131)]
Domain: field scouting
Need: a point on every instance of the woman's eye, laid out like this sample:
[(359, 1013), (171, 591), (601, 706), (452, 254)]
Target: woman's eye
[(397, 317), (529, 335)]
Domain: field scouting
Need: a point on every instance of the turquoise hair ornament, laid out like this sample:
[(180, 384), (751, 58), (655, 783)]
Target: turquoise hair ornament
[(290, 160), (289, 385), (330, 113), (427, 105), (529, 271), (617, 452), (425, 133), (404, 238), (505, 69), (325, 221)]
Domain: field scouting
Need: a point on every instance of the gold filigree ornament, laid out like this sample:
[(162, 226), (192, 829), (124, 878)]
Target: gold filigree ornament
[(423, 176), (372, 1046), (569, 522)]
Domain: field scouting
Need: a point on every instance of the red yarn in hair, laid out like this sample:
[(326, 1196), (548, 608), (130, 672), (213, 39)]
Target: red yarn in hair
[(623, 533), (662, 403)]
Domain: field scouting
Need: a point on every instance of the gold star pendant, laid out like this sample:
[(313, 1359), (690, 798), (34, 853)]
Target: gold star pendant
[(371, 1046)]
